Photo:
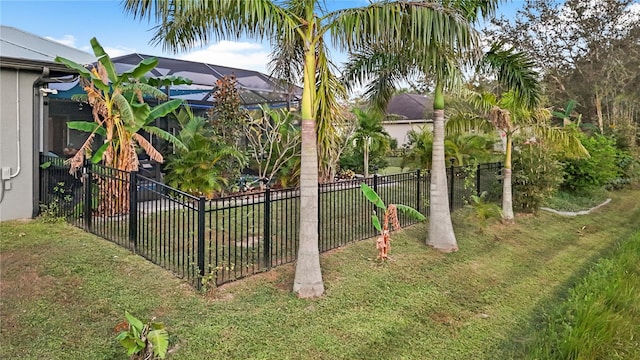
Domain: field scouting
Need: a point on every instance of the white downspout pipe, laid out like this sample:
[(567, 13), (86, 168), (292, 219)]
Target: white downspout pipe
[(17, 125)]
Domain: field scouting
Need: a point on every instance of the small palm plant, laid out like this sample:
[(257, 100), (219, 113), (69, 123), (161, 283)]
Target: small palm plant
[(390, 216), (196, 169), (483, 210)]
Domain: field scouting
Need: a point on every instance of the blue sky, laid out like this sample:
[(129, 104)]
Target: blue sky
[(74, 22)]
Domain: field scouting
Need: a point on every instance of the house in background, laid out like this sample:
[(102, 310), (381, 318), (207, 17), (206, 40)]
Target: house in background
[(254, 89), (407, 112), (35, 98), (27, 68)]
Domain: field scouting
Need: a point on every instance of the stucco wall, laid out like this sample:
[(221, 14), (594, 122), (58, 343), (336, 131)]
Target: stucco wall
[(400, 128), (16, 102)]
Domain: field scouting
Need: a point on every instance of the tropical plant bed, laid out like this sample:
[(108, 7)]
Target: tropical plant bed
[(63, 288)]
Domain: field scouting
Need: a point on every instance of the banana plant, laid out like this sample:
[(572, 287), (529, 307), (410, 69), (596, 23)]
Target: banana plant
[(143, 340), (566, 115), (390, 216), (120, 111)]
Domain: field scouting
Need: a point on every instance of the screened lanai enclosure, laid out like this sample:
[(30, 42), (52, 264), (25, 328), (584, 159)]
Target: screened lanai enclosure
[(255, 89)]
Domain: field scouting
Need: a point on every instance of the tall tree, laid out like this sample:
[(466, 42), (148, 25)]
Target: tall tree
[(300, 28), (382, 65), (227, 119), (588, 51)]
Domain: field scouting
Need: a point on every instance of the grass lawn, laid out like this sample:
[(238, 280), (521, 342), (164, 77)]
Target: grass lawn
[(63, 291)]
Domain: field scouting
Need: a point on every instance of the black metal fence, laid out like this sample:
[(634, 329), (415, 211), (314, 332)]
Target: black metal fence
[(220, 240)]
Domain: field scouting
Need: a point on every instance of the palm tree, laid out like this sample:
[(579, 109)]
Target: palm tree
[(381, 65), (299, 28), (370, 134), (509, 115)]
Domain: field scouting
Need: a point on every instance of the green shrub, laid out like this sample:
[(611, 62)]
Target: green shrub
[(628, 165), (198, 170), (352, 159), (537, 174), (484, 211), (600, 169), (394, 161)]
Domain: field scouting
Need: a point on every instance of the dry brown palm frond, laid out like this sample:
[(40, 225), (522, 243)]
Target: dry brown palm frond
[(501, 118), (148, 148)]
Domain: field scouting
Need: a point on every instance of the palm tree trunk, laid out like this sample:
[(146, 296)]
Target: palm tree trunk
[(441, 235), (308, 278), (365, 154), (507, 194), (598, 104)]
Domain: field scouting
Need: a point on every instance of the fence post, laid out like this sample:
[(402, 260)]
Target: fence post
[(418, 190), (133, 209), (201, 268), (375, 183), (452, 182), (319, 225), (478, 192), (88, 201), (375, 188), (267, 227)]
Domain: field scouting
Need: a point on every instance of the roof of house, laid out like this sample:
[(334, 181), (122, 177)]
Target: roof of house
[(410, 107), (20, 49), (255, 87)]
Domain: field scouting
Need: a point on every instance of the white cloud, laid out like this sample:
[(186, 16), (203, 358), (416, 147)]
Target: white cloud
[(68, 40), (112, 51), (242, 55), (118, 51), (71, 40)]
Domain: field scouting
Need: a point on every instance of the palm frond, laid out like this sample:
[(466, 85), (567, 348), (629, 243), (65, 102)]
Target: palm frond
[(567, 141), (166, 136), (330, 94), (423, 24), (381, 70), (465, 122), (187, 23), (515, 71)]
